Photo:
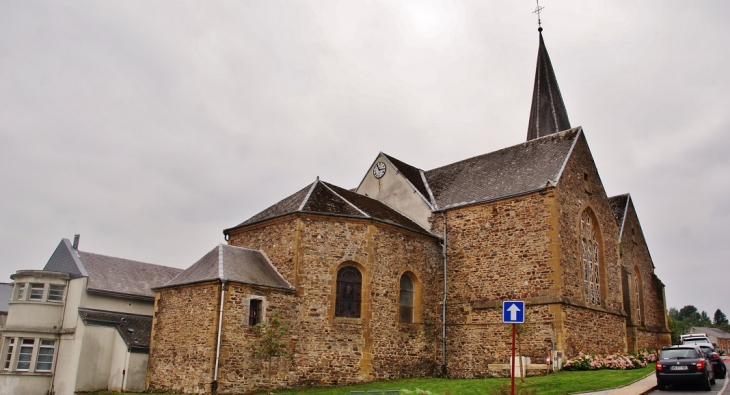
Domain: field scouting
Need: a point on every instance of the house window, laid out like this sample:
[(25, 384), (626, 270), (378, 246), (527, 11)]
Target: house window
[(45, 355), (10, 341), (405, 302), (20, 294), (254, 311), (25, 353), (589, 259), (55, 292), (36, 291), (586, 182), (349, 285)]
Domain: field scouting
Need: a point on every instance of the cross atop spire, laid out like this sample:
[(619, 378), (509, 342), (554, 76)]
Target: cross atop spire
[(548, 114), (537, 11)]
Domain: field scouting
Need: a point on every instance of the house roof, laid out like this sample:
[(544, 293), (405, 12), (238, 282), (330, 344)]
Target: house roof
[(123, 276), (526, 167), (110, 275), (547, 113), (328, 199), (6, 294), (134, 329), (712, 332), (230, 263)]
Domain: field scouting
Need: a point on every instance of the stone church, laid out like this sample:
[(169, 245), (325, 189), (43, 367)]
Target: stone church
[(404, 275)]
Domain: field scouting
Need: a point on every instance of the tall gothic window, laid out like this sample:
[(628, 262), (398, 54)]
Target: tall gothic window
[(589, 259), (406, 300), (637, 295), (349, 285)]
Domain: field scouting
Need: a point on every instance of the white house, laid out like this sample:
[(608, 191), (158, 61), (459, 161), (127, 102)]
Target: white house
[(81, 324)]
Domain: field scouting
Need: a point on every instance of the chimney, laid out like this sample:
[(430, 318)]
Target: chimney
[(76, 241)]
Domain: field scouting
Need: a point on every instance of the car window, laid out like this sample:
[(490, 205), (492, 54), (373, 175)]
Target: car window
[(678, 353)]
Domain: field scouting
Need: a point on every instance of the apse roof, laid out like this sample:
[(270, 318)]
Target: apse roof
[(230, 263), (328, 199)]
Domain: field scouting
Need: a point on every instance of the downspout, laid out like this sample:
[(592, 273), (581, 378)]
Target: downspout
[(443, 304), (218, 341)]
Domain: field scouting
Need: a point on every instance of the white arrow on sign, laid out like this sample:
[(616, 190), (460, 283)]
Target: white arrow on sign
[(513, 312)]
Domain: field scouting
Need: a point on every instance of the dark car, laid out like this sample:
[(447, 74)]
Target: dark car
[(684, 364), (717, 365)]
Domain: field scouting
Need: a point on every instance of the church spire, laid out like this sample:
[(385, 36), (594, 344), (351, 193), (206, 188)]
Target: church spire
[(548, 114)]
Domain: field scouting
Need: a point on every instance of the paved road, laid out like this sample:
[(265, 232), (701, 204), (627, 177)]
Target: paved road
[(720, 388)]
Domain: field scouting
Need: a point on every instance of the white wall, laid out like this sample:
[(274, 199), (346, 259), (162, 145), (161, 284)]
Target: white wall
[(24, 385), (136, 372), (95, 360), (110, 303), (118, 363), (67, 362), (394, 190)]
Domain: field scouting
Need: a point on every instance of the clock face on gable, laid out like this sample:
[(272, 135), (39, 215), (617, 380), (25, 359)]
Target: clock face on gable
[(379, 170)]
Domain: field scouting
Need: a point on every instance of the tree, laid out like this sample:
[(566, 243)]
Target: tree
[(719, 318), (270, 342), (690, 316), (704, 320)]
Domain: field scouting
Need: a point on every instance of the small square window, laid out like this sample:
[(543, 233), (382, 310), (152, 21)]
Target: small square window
[(36, 291), (55, 292)]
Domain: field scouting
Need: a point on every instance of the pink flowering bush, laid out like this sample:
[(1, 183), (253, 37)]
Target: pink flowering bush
[(590, 361)]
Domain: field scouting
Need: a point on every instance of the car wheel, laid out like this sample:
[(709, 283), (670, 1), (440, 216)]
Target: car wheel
[(712, 382), (661, 386), (706, 384)]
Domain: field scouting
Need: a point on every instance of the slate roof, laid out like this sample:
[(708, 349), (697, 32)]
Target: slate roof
[(511, 171), (328, 199), (123, 276), (720, 334), (6, 294), (110, 275), (230, 263), (619, 207), (547, 113), (133, 328)]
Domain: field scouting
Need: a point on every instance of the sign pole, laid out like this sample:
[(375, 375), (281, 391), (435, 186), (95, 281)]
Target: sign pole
[(514, 331)]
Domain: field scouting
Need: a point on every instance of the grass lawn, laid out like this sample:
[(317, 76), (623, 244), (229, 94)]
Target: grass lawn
[(553, 384)]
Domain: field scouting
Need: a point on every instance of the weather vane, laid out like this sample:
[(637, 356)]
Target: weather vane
[(537, 11)]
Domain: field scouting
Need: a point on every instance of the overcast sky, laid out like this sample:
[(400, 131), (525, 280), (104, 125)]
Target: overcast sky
[(150, 126)]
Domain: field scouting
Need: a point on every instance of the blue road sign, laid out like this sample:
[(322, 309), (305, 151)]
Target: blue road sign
[(513, 311)]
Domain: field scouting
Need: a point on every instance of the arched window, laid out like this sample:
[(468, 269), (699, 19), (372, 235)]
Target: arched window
[(637, 295), (406, 300), (589, 259), (349, 285)]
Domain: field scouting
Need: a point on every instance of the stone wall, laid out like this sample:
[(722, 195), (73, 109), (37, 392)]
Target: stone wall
[(182, 344), (635, 258), (308, 251), (591, 330), (579, 188), (498, 251)]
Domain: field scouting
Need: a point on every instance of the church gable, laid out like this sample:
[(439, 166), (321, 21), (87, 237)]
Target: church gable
[(643, 291), (587, 223), (400, 186)]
